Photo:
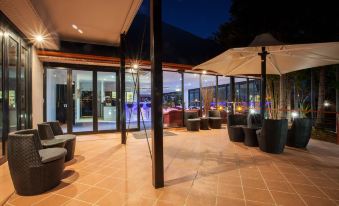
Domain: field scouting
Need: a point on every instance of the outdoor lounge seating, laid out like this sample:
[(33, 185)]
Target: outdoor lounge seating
[(192, 121), (272, 136), (52, 130), (33, 170), (214, 119), (300, 133), (235, 123)]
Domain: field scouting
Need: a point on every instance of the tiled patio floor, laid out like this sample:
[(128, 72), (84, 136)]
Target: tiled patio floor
[(201, 168)]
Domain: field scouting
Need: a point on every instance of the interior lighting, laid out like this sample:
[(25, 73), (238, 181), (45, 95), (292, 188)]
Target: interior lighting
[(294, 114), (327, 104), (135, 66), (80, 31), (39, 38), (252, 111), (204, 72), (74, 26)]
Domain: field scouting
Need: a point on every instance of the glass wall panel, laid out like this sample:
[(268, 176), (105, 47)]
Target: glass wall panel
[(208, 94), (241, 94), (56, 96), (107, 101), (223, 85), (131, 101), (192, 91), (172, 99), (145, 99), (23, 87), (82, 86), (12, 83)]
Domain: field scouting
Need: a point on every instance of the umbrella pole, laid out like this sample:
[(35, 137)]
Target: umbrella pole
[(263, 55)]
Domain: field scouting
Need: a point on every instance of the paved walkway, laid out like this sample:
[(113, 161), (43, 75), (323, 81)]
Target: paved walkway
[(201, 168)]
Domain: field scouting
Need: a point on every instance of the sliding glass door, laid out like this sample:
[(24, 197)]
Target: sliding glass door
[(81, 100)]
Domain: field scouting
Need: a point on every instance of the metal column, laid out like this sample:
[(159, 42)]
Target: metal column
[(122, 88), (263, 56)]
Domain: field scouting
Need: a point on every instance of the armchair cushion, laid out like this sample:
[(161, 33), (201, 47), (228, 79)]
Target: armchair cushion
[(51, 154)]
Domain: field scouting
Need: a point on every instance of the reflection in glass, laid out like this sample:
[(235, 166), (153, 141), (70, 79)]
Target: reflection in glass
[(172, 99), (145, 99), (82, 85), (23, 69), (208, 94), (223, 90), (192, 91), (131, 100), (56, 96), (12, 84), (106, 101)]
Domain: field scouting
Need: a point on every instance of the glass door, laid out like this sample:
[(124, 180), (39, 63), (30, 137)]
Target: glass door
[(145, 99), (82, 88), (107, 101), (12, 83)]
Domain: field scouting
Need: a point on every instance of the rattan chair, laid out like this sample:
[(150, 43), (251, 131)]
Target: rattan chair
[(214, 119), (33, 170), (235, 122), (300, 133), (192, 121)]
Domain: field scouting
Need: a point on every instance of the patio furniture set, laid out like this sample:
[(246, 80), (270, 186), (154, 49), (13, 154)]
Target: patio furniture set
[(36, 157), (272, 135), (195, 123)]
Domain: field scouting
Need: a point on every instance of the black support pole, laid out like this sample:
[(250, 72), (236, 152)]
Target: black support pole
[(312, 96), (337, 103), (263, 55), (248, 92), (122, 88), (232, 93), (157, 93)]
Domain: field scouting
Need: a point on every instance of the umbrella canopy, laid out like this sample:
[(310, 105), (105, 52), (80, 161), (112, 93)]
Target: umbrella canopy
[(280, 59)]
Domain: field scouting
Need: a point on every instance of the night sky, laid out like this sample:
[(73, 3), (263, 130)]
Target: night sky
[(200, 17)]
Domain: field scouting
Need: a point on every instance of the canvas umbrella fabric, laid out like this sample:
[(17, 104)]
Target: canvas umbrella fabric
[(266, 55)]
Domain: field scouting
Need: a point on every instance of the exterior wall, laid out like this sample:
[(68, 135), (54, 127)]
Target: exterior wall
[(37, 90)]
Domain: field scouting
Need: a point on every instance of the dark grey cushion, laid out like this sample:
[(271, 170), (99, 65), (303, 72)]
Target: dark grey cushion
[(67, 137), (51, 154), (214, 117), (194, 120)]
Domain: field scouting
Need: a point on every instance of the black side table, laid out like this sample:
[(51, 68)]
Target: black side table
[(193, 124), (204, 123), (250, 136)]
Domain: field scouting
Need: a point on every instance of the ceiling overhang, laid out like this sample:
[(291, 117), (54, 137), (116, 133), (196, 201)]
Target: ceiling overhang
[(97, 22)]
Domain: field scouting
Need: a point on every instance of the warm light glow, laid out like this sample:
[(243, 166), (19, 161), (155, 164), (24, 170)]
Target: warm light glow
[(327, 104), (204, 72), (80, 31), (135, 66), (239, 108), (74, 26), (294, 114), (220, 108), (39, 38), (177, 90)]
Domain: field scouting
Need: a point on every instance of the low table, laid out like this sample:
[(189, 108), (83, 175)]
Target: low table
[(53, 143), (250, 136), (204, 123), (193, 124)]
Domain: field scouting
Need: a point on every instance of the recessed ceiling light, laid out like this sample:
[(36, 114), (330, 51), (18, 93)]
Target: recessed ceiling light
[(74, 26), (39, 38), (204, 72), (80, 31)]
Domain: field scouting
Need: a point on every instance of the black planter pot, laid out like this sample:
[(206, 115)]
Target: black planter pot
[(300, 133), (272, 137)]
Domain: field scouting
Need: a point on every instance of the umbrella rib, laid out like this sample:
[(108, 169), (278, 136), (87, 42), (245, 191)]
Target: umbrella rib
[(275, 67), (242, 64), (298, 56)]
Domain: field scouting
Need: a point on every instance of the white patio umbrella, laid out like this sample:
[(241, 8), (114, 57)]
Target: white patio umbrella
[(266, 55)]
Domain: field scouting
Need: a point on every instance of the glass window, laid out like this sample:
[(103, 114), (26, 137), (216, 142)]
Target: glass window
[(23, 86), (12, 83), (192, 91), (1, 92), (106, 101), (82, 86), (56, 96), (131, 97), (172, 99), (223, 83), (208, 94), (145, 99)]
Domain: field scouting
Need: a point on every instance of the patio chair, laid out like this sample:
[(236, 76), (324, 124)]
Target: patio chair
[(300, 133), (214, 119), (33, 170), (235, 123), (192, 121), (52, 130), (254, 121), (272, 136)]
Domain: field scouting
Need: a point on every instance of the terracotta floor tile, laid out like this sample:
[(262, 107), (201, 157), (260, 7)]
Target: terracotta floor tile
[(177, 196), (224, 201), (324, 182), (165, 203), (273, 176), (282, 198), (53, 200), (200, 198), (279, 186), (298, 179), (29, 200), (113, 198), (254, 203), (109, 183), (72, 190), (308, 190), (91, 179), (315, 201), (258, 195), (92, 195), (74, 202), (230, 191), (253, 183), (332, 193)]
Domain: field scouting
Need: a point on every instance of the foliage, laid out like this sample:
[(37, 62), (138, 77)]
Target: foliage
[(272, 91), (207, 98)]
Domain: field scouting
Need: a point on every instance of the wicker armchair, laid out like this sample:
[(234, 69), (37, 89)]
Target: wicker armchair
[(214, 119), (192, 121), (300, 133), (52, 130), (272, 137), (33, 170), (235, 123)]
